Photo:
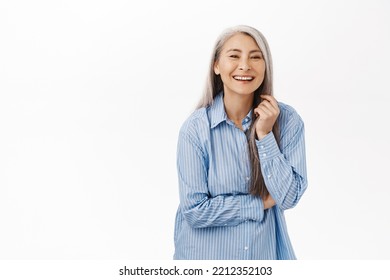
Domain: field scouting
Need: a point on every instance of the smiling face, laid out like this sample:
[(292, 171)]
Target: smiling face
[(241, 65)]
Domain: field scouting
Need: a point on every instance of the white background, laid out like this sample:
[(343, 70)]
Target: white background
[(93, 93)]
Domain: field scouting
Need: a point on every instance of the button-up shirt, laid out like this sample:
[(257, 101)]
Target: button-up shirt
[(217, 217)]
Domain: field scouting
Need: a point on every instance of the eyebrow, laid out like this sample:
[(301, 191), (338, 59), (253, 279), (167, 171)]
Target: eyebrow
[(238, 50)]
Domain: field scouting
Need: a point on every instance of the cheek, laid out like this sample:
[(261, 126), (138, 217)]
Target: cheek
[(226, 67), (261, 68), (261, 72), (261, 75)]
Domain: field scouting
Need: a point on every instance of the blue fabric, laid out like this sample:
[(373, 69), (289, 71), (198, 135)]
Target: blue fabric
[(217, 218)]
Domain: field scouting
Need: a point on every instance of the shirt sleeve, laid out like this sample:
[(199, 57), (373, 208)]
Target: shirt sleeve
[(284, 169), (199, 208)]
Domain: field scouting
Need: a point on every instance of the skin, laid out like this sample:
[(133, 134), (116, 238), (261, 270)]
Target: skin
[(241, 57)]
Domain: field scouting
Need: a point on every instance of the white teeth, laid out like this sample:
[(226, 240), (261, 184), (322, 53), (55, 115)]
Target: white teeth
[(240, 78)]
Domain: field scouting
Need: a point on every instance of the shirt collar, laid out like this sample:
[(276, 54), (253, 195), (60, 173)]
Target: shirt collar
[(218, 113)]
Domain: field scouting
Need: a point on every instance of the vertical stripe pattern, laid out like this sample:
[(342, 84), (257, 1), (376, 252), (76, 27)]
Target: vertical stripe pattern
[(217, 218)]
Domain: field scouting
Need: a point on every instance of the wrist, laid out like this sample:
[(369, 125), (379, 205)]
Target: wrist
[(260, 135)]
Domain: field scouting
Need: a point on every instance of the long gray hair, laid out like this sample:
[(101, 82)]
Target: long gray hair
[(214, 86)]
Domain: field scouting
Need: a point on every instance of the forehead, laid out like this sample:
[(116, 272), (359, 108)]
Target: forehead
[(240, 41)]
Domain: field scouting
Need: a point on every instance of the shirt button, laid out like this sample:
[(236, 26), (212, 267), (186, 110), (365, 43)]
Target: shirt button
[(247, 178), (264, 155), (261, 147), (269, 175), (246, 248)]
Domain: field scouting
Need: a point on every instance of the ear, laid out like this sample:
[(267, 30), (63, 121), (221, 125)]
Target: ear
[(216, 68)]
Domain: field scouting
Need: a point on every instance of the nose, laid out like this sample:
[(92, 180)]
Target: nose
[(244, 65)]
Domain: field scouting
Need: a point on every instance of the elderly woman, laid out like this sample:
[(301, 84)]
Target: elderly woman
[(240, 159)]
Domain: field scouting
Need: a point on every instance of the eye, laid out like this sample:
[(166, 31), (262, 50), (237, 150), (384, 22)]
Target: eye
[(256, 57), (233, 56)]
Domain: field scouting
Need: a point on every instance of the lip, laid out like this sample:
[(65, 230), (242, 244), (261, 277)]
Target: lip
[(243, 78)]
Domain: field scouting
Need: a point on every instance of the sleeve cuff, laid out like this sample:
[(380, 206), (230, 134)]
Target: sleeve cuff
[(268, 147), (252, 208)]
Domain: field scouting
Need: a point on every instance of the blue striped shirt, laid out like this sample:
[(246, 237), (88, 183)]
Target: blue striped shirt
[(217, 218)]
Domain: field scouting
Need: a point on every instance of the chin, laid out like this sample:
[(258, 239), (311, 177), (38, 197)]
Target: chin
[(245, 92)]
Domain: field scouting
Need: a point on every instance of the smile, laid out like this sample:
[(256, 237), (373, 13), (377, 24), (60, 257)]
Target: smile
[(243, 78)]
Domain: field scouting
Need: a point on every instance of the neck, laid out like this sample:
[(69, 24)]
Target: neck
[(237, 106)]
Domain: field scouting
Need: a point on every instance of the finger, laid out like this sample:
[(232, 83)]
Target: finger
[(269, 106), (256, 111), (261, 113), (271, 99), (266, 110), (268, 97)]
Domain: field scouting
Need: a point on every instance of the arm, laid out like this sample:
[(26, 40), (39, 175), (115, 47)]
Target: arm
[(284, 170), (199, 208)]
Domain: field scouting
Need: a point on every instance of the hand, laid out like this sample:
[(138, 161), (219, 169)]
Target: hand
[(268, 202), (267, 112)]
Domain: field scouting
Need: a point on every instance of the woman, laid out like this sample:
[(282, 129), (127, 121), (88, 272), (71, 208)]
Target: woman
[(240, 159)]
